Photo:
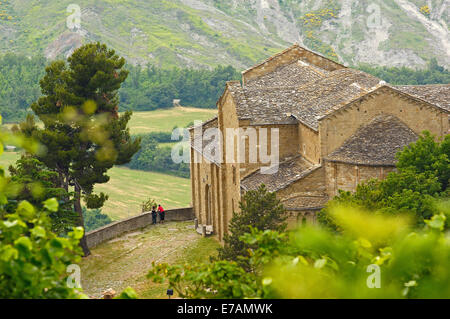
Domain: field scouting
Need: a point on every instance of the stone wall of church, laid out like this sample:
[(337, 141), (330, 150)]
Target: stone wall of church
[(419, 116), (296, 218), (309, 143), (310, 185), (230, 172), (288, 145), (346, 177)]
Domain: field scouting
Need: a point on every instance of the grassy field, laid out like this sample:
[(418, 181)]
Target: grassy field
[(165, 120), (125, 261), (8, 158), (127, 189)]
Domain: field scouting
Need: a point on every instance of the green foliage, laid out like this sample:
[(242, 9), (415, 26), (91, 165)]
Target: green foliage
[(335, 266), (151, 88), (128, 293), (433, 74), (83, 133), (148, 205), (259, 209), (35, 183), (94, 219), (423, 172), (33, 259), (19, 84), (429, 157), (220, 280), (313, 262), (156, 158)]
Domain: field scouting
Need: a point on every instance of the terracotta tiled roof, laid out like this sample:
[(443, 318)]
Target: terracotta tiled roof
[(376, 143), (435, 94), (288, 172), (307, 103)]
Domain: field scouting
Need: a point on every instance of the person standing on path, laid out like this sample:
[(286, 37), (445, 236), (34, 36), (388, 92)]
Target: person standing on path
[(154, 215), (161, 214)]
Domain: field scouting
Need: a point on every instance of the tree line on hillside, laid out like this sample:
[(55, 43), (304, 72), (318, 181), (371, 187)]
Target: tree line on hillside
[(432, 74), (19, 84), (150, 88)]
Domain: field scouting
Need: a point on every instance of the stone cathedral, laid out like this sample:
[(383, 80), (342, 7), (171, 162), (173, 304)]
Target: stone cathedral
[(336, 127)]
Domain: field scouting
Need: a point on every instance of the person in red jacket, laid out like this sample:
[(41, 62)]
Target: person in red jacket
[(161, 214)]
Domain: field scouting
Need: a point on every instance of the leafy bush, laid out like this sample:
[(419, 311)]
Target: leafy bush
[(94, 219), (33, 259), (313, 262), (423, 172)]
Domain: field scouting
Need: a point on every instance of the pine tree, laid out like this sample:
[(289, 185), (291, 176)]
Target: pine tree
[(83, 133), (35, 183), (260, 209)]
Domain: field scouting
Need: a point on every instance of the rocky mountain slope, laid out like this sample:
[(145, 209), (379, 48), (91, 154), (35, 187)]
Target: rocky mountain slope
[(204, 33)]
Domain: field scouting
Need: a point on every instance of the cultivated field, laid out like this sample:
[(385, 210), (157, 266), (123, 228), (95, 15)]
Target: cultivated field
[(165, 120), (127, 189)]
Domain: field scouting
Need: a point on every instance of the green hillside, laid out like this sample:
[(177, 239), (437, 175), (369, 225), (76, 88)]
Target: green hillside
[(203, 33)]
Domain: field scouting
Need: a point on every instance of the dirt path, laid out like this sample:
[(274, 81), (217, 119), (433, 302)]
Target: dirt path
[(125, 261)]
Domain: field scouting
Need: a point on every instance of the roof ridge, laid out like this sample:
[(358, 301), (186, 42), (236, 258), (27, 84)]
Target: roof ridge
[(416, 98), (292, 47), (377, 88), (295, 45), (203, 123)]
